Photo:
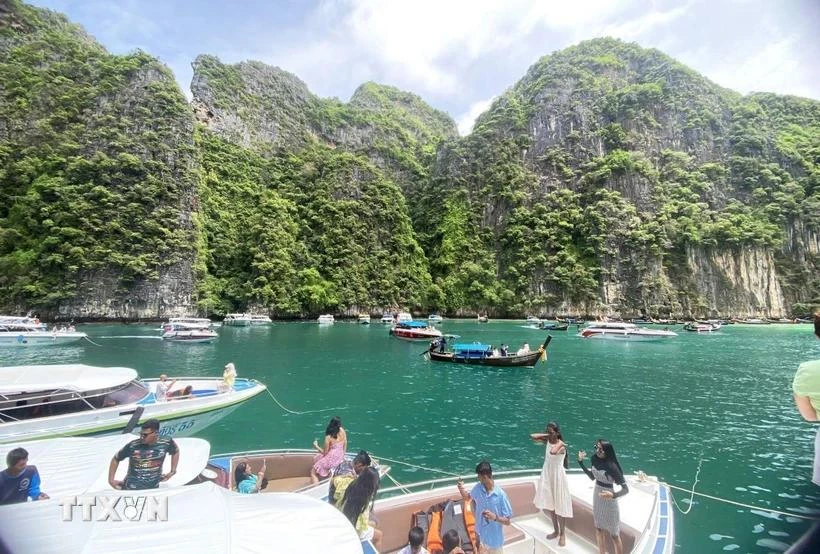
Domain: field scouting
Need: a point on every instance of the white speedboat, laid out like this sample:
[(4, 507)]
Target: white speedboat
[(435, 318), (40, 401), (191, 322), (387, 319), (532, 320), (647, 524), (199, 518), (404, 317), (237, 320), (183, 333), (364, 319), (258, 320), (623, 331), (29, 331), (326, 319)]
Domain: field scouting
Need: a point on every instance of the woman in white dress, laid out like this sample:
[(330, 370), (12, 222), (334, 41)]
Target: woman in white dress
[(552, 494)]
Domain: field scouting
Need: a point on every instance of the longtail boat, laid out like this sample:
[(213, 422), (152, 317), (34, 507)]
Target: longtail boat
[(483, 354)]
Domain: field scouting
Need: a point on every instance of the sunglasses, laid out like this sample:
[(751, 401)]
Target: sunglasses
[(146, 433)]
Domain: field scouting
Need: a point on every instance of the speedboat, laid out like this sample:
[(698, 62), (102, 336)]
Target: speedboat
[(532, 320), (183, 333), (482, 318), (191, 322), (647, 523), (701, 327), (258, 320), (435, 318), (623, 331), (29, 331), (415, 330), (40, 401), (326, 319), (364, 319), (387, 319), (287, 470), (197, 518), (237, 320), (404, 317)]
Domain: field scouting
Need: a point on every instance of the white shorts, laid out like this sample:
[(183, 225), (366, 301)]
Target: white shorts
[(815, 477)]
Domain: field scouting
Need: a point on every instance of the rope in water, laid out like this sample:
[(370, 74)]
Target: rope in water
[(305, 412), (690, 491)]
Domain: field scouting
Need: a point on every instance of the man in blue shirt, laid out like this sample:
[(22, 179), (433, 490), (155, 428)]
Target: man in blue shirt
[(19, 480), (492, 509)]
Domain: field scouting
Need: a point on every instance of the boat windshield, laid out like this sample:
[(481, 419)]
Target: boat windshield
[(24, 406)]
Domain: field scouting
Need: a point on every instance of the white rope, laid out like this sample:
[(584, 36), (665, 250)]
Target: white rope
[(742, 505), (695, 484), (301, 413), (91, 341), (414, 466), (404, 489)]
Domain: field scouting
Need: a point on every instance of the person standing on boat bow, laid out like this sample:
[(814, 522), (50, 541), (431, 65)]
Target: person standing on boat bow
[(552, 494), (492, 508), (145, 458), (806, 388), (605, 471), (229, 376)]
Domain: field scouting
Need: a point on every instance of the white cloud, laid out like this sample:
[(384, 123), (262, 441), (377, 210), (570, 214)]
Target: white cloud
[(467, 120), (637, 28)]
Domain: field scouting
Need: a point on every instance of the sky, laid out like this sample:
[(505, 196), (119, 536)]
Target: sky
[(458, 55)]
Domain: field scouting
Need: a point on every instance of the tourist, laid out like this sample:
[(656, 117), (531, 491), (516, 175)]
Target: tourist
[(332, 453), (492, 509), (806, 388), (247, 482), (229, 376), (451, 542), (163, 386), (606, 472), (524, 349), (145, 458), (187, 392), (19, 481), (415, 538), (356, 504), (503, 349), (552, 493), (345, 473)]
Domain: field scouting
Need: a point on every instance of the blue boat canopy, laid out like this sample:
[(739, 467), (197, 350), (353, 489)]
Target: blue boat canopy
[(413, 324), (472, 347)]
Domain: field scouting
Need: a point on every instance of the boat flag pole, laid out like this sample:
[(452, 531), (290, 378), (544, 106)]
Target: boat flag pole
[(134, 420), (543, 348)]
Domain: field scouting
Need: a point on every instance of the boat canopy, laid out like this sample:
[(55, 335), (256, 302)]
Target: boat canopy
[(413, 324), (71, 466), (475, 347), (200, 518), (69, 377)]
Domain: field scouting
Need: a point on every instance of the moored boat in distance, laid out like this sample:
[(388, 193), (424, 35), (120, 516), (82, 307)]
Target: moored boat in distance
[(623, 331), (435, 318), (404, 317), (41, 401), (185, 333), (260, 320), (326, 319), (387, 319), (414, 330), (237, 320), (484, 354), (29, 331), (364, 319), (701, 327), (482, 318), (646, 513)]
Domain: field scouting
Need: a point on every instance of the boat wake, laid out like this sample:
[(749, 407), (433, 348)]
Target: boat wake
[(129, 337)]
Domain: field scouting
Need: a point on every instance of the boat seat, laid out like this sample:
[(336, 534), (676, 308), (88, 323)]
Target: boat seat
[(288, 484)]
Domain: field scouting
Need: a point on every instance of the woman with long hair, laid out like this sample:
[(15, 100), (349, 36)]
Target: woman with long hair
[(552, 493), (247, 482), (606, 472), (333, 452), (357, 501)]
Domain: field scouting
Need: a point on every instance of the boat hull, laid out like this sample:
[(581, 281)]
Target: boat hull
[(190, 336), (40, 338), (525, 360), (415, 334), (179, 418)]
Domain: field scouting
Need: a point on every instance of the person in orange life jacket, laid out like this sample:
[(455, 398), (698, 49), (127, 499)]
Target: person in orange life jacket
[(492, 509), (19, 481)]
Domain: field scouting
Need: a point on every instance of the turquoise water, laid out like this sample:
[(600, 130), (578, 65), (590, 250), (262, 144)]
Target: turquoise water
[(721, 401)]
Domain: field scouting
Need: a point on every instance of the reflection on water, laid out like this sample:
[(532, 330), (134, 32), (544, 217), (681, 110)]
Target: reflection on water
[(721, 400)]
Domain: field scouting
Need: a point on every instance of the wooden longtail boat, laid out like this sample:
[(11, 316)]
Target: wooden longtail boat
[(482, 354)]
